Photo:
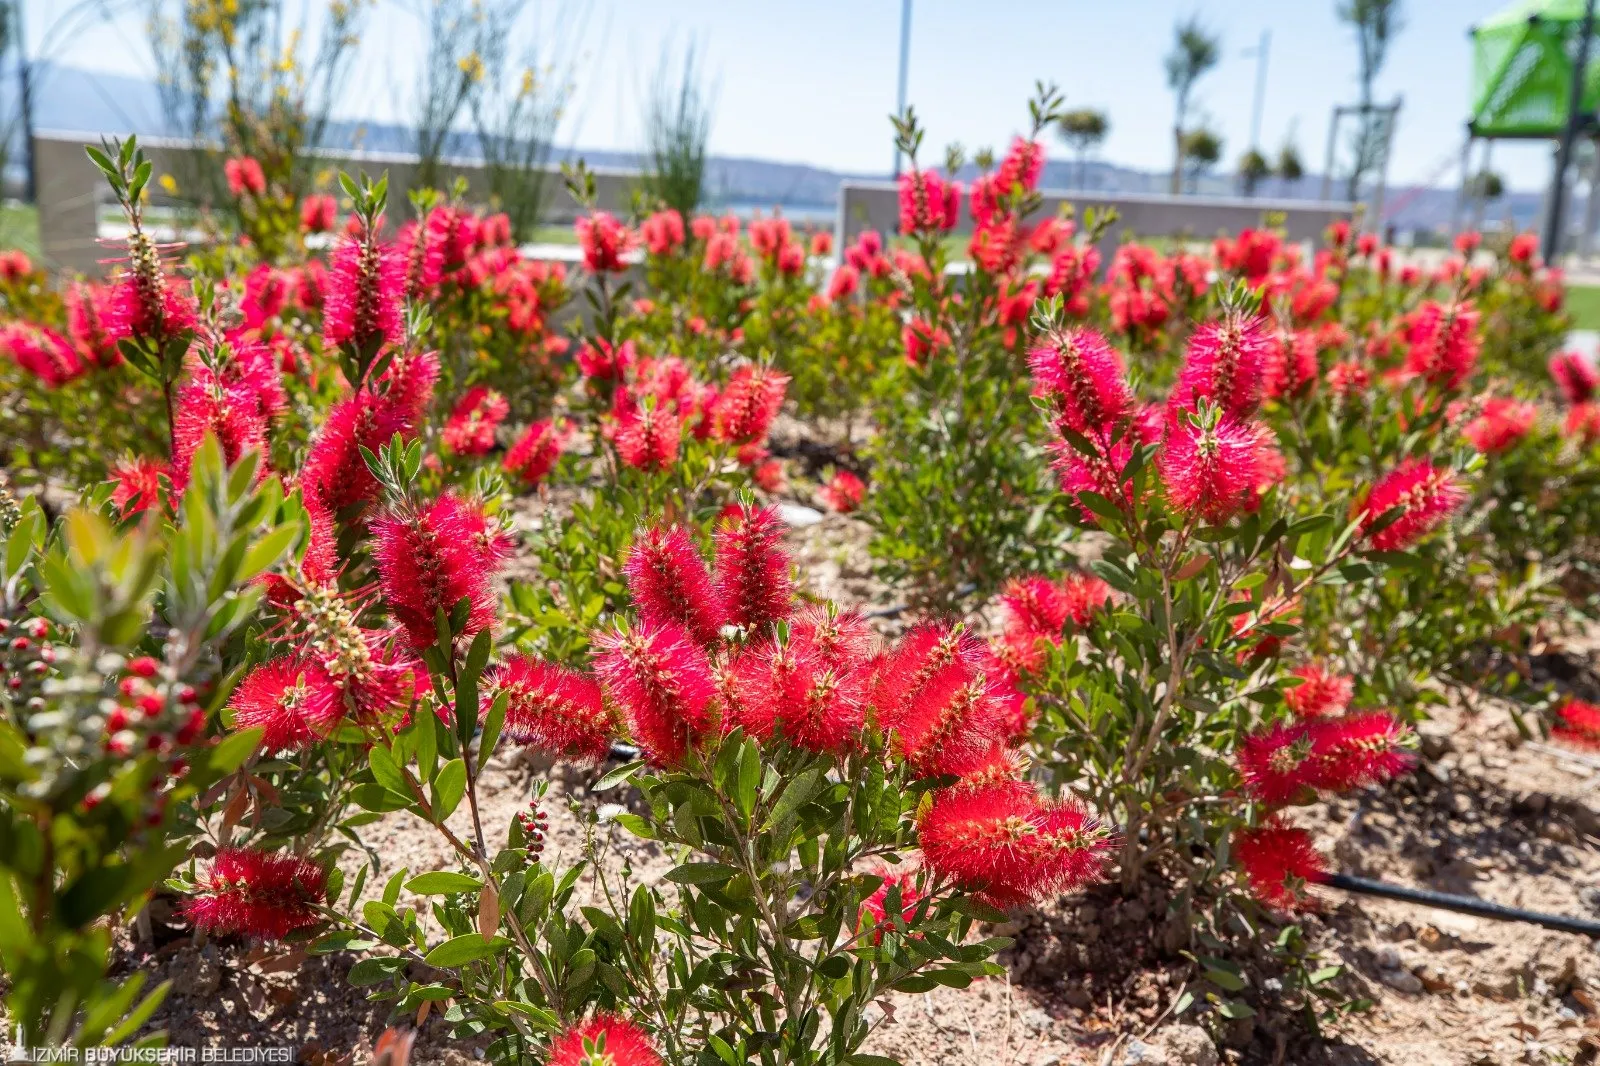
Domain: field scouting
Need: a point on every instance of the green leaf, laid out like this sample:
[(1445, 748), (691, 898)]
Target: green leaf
[(448, 788), (442, 882), (386, 771), (375, 971), (619, 775), (468, 947), (701, 873)]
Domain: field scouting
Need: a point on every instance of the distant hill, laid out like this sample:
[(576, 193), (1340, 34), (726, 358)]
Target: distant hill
[(69, 98)]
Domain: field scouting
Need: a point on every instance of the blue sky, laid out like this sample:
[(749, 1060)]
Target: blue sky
[(813, 82)]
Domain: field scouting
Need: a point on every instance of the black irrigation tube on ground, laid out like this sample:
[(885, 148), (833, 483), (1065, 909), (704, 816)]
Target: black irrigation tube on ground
[(1464, 904), (901, 608)]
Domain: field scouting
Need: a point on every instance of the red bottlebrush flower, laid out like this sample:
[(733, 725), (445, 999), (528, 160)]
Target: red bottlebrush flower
[(927, 202), (1083, 377), (598, 360), (1358, 749), (663, 232), (1321, 692), (937, 699), (1578, 724), (1084, 596), (1502, 423), (473, 420), (138, 485), (42, 352), (1291, 368), (1279, 861), (292, 699), (1275, 764), (769, 477), (844, 283), (421, 247), (14, 266), (1023, 165), (747, 406), (649, 438), (1035, 605), (1211, 473), (841, 639), (244, 176), (792, 260), (1524, 248), (875, 908), (334, 468), (147, 305), (604, 1040), (752, 573), (311, 284), (1349, 378), (231, 413), (798, 692), (537, 451), (661, 678), (843, 493), (551, 708), (1425, 495), (1005, 843), (1443, 343), (669, 583), (319, 213), (604, 241), (1574, 376), (258, 893), (1583, 421), (87, 307), (1079, 473), (920, 340), (1226, 363), (252, 371), (429, 560), (366, 291)]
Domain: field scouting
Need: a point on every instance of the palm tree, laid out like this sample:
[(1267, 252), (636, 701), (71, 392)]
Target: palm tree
[(1083, 129), (1195, 50)]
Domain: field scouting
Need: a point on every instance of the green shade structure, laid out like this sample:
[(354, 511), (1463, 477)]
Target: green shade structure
[(1522, 62)]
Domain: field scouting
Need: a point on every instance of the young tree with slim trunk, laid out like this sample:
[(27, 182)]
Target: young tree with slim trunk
[(1195, 50), (1083, 130), (1376, 22)]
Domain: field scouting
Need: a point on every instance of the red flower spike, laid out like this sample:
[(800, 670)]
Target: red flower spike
[(334, 468), (669, 583), (1502, 423), (1214, 473), (1573, 375), (1083, 377), (936, 697), (258, 893), (791, 691), (1321, 692), (1578, 724), (604, 1040), (138, 485), (661, 678), (844, 493), (746, 408), (472, 422), (1226, 363), (1275, 764), (875, 908), (366, 291), (205, 404), (42, 352), (841, 639), (1443, 343), (604, 241), (1084, 596), (551, 708), (537, 451), (1357, 750), (1424, 493), (649, 438), (1010, 846), (292, 699), (752, 573), (1279, 861), (429, 560)]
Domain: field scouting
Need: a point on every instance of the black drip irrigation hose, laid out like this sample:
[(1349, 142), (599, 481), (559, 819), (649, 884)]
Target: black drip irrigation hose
[(901, 608), (1464, 904)]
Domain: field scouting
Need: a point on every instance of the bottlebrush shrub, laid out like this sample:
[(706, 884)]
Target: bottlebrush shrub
[(840, 814), (958, 487), (1153, 674), (116, 660)]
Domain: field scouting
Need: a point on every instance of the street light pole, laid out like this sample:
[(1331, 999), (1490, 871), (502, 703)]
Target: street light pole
[(1260, 52), (905, 60), (1558, 187)]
